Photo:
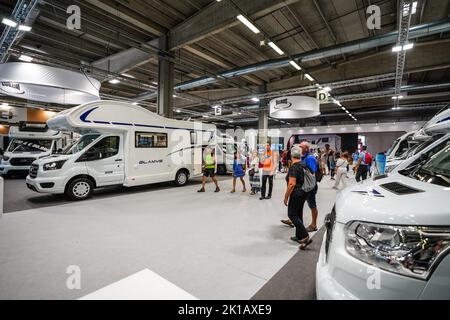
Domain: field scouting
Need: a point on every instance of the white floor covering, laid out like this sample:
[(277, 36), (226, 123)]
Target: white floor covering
[(213, 246)]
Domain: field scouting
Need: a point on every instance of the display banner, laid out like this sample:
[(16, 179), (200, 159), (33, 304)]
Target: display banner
[(294, 107)]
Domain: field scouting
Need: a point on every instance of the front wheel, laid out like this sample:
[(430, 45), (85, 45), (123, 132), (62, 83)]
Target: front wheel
[(79, 189), (181, 178)]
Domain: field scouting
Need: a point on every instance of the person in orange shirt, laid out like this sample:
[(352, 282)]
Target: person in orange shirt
[(268, 170)]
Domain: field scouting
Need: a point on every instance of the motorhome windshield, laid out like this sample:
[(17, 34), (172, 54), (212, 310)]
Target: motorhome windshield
[(81, 144), (436, 170), (30, 145)]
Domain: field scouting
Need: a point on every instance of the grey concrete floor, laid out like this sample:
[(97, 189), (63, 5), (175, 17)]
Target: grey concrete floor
[(214, 246)]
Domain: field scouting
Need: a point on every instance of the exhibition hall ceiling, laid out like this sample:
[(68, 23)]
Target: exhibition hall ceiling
[(118, 40)]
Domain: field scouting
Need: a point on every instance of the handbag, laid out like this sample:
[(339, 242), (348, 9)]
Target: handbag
[(251, 173)]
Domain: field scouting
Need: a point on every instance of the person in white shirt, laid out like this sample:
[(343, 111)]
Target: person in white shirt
[(341, 171)]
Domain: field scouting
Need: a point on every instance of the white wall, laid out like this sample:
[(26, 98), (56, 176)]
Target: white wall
[(380, 141)]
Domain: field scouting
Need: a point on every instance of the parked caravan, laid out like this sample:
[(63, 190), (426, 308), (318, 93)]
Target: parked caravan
[(29, 142), (316, 141), (400, 145), (121, 144)]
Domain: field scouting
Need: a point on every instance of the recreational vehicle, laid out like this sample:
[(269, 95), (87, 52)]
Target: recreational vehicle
[(121, 144), (394, 229), (28, 142), (432, 136), (316, 141)]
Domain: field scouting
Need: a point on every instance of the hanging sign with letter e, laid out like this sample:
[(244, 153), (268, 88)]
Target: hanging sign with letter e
[(323, 97)]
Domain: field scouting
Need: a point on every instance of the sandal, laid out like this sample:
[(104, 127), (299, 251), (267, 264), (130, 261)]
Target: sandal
[(288, 223), (305, 243), (311, 229)]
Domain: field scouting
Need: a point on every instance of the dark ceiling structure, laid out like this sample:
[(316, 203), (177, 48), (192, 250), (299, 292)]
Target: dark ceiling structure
[(218, 60)]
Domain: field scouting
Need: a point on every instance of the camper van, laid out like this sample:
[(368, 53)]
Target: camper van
[(400, 146), (434, 134), (390, 239), (121, 144), (316, 141), (28, 142)]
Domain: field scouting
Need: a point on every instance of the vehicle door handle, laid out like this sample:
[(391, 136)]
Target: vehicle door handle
[(119, 160)]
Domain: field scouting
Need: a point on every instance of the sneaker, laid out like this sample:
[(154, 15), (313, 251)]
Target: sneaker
[(269, 197), (295, 239), (262, 198)]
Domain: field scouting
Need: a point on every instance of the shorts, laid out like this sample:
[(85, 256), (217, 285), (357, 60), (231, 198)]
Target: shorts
[(209, 172), (311, 199)]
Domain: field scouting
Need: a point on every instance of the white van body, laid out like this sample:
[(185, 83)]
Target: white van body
[(390, 239), (122, 144), (426, 139), (400, 146), (29, 142)]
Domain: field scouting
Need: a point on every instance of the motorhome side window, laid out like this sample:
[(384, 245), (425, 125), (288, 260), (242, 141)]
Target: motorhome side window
[(151, 140), (106, 148)]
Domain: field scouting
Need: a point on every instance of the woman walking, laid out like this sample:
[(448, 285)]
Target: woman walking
[(332, 161), (341, 170), (238, 172), (295, 198)]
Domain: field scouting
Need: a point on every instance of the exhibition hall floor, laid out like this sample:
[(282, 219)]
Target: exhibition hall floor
[(212, 246)]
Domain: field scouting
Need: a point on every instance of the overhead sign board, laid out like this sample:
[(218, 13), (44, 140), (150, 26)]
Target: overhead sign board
[(323, 97), (294, 107)]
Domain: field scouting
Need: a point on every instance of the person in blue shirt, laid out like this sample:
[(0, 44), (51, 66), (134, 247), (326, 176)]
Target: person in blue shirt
[(311, 163)]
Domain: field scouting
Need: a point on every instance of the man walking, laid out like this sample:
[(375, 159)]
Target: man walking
[(268, 171), (209, 170), (363, 166), (311, 163)]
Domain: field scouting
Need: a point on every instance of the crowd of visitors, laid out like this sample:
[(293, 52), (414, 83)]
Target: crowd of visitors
[(305, 169)]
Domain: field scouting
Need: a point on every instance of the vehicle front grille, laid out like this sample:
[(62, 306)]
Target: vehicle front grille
[(34, 171), (330, 222), (400, 189), (19, 162)]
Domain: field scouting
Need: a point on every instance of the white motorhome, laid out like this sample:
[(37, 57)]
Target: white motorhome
[(122, 144), (432, 135), (400, 146), (390, 239), (29, 142)]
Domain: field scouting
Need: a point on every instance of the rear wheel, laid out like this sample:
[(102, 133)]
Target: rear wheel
[(181, 178), (79, 189)]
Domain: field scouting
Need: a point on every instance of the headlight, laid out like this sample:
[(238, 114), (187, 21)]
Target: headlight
[(56, 165), (409, 251)]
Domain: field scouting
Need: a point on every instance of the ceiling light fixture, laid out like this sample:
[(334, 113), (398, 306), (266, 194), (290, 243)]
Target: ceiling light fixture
[(248, 24), (295, 65), (408, 46), (276, 48), (327, 89), (9, 22), (255, 99), (25, 58), (114, 81), (307, 76), (24, 28)]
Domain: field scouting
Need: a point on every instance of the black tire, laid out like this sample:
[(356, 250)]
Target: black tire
[(221, 170), (182, 178), (79, 189)]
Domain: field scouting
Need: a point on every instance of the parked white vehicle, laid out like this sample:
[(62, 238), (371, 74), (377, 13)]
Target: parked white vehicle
[(400, 146), (427, 139), (390, 239), (122, 144), (29, 141)]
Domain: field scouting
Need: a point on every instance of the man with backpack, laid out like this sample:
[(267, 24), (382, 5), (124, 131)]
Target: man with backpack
[(363, 166), (312, 165)]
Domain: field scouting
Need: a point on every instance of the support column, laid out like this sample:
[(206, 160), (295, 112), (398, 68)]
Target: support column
[(165, 80), (263, 121)]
